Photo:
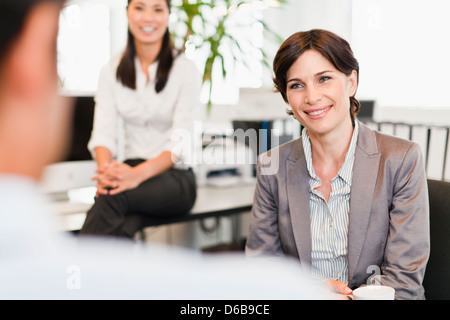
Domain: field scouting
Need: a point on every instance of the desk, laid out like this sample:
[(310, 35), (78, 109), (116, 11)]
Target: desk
[(210, 202), (215, 202)]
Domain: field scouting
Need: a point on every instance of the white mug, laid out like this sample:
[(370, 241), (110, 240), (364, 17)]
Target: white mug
[(373, 292)]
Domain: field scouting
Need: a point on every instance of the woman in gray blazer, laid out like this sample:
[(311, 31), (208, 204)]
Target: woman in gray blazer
[(349, 202)]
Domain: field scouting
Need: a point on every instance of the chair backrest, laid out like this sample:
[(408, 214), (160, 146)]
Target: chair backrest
[(437, 274)]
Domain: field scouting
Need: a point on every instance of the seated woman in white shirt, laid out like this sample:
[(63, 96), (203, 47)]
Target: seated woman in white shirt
[(154, 91)]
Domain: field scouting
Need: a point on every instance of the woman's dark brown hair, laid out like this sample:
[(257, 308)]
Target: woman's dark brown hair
[(126, 72), (331, 46)]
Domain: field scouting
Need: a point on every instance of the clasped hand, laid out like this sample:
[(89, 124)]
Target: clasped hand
[(115, 177)]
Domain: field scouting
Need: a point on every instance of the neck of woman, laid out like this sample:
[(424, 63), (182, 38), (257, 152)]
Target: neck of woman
[(147, 54), (329, 150)]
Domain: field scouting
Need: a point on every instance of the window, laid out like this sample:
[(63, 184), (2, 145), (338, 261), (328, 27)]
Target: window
[(83, 45)]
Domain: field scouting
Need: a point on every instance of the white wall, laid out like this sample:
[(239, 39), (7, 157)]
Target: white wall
[(403, 50), (302, 15)]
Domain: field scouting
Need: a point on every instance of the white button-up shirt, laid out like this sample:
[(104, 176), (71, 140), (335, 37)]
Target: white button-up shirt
[(149, 119), (329, 220)]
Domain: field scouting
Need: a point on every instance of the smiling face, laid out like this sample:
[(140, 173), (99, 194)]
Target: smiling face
[(319, 94), (148, 20)]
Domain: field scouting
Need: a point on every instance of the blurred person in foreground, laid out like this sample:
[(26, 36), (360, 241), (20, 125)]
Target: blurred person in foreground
[(39, 262), (343, 199)]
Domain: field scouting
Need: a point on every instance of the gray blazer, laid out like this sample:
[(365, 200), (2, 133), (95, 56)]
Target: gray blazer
[(388, 218)]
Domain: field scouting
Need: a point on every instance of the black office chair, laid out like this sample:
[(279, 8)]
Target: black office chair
[(437, 274)]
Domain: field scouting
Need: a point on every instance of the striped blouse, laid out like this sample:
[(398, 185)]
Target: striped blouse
[(329, 221)]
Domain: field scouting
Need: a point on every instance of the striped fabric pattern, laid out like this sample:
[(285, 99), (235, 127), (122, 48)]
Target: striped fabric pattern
[(329, 221)]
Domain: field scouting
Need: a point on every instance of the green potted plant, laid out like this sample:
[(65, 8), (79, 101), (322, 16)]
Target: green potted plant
[(209, 25)]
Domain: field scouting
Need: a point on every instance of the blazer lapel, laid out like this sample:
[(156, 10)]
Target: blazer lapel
[(365, 172), (298, 198)]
